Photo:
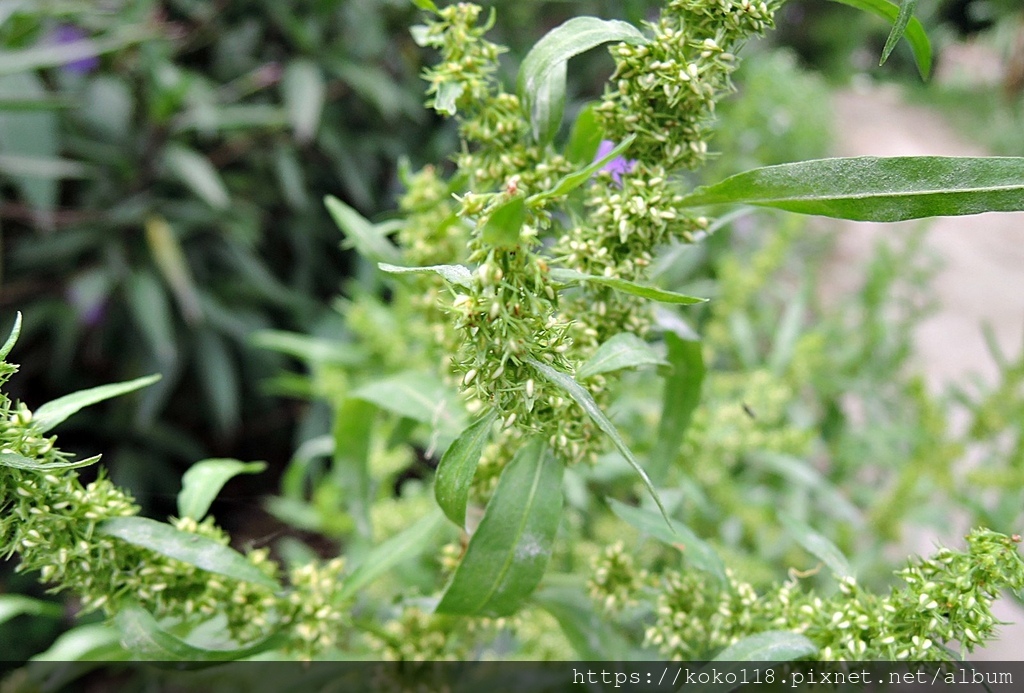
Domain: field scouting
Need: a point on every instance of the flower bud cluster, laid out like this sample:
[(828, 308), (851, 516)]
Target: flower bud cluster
[(945, 599), (665, 90), (616, 579)]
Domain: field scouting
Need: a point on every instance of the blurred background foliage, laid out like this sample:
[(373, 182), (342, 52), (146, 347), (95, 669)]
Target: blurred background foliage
[(161, 204)]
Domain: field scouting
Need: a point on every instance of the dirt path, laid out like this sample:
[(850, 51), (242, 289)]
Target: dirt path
[(981, 281)]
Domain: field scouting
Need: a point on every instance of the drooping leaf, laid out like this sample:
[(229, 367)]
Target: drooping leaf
[(16, 461), (204, 480), (418, 396), (509, 551), (624, 350), (697, 552), (914, 31), (12, 338), (12, 605), (307, 348), (899, 28), (304, 91), (680, 399), (406, 545), (877, 189), (457, 467), (53, 413), (458, 275), (144, 638), (817, 545), (577, 178), (570, 276), (769, 647), (364, 236), (592, 634), (582, 397), (535, 84), (170, 260), (86, 642), (503, 226), (198, 174), (193, 549)]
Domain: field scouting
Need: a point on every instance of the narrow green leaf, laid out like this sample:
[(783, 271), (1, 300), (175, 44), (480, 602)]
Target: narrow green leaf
[(453, 274), (536, 87), (899, 28), (577, 178), (458, 465), (12, 338), (42, 167), (680, 399), (877, 189), (769, 647), (427, 5), (87, 642), (12, 605), (193, 549), (503, 226), (592, 634), (407, 544), (582, 397), (788, 333), (153, 315), (144, 638), (170, 260), (914, 31), (53, 413), (310, 349), (29, 138), (418, 396), (570, 276), (624, 350), (197, 174), (304, 91), (817, 545), (204, 480), (585, 136), (698, 553), (366, 237), (548, 106), (15, 461), (219, 380), (509, 551), (351, 436), (49, 55)]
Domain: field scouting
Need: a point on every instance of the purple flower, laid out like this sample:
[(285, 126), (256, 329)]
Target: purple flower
[(69, 33), (617, 166)]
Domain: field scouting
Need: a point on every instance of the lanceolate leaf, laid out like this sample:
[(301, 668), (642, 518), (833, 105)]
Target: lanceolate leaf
[(509, 551), (582, 397), (453, 274), (915, 33), (898, 28), (697, 552), (364, 236), (578, 178), (193, 549), (15, 461), (624, 350), (536, 87), (304, 91), (143, 636), (52, 413), (682, 393), (817, 545), (877, 189), (12, 339), (457, 467), (570, 276), (405, 545), (418, 396), (204, 480), (12, 605)]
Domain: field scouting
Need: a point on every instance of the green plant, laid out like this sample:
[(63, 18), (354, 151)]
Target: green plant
[(519, 349)]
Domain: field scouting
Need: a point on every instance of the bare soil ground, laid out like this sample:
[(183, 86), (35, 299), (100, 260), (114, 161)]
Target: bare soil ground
[(981, 280)]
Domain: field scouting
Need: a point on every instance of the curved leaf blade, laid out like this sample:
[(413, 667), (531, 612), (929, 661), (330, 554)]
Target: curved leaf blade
[(407, 544), (769, 647), (818, 545), (536, 86), (193, 549), (144, 638), (509, 551), (12, 339), (899, 28), (53, 413), (304, 92), (12, 605), (914, 30), (624, 350), (577, 178), (364, 236), (198, 174), (458, 275), (877, 189), (457, 467), (204, 480), (570, 276), (679, 401), (582, 397), (698, 553), (16, 461)]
